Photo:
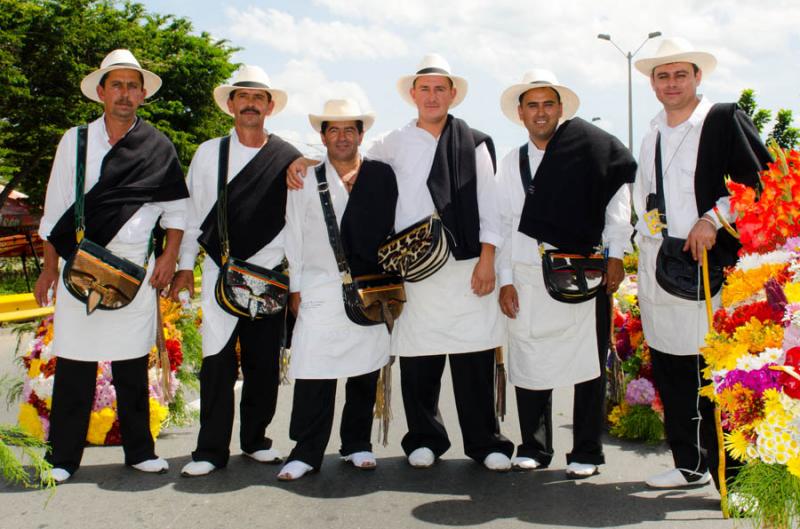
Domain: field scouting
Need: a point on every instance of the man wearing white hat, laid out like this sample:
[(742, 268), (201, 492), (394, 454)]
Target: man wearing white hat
[(444, 167), (565, 189), (256, 205), (132, 177), (326, 345), (696, 144)]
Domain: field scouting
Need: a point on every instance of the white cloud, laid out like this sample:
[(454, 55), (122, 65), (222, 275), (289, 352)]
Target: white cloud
[(329, 40)]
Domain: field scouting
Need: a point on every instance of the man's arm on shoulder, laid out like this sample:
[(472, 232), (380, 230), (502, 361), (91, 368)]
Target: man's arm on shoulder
[(297, 171)]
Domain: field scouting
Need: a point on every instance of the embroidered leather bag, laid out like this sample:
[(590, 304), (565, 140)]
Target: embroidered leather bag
[(417, 252), (92, 274), (243, 289)]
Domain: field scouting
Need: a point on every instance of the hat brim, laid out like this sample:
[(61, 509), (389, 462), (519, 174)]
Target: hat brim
[(509, 101), (705, 61), (316, 120), (89, 84), (222, 93), (405, 83)]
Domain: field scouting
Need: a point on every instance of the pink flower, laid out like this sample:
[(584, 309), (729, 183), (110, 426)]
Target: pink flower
[(640, 391)]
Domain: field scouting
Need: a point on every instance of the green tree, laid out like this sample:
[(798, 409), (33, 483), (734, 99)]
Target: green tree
[(760, 116), (48, 46), (783, 132)]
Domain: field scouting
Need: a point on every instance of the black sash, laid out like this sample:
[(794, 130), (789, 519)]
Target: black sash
[(453, 185), (141, 167), (257, 203), (582, 168)]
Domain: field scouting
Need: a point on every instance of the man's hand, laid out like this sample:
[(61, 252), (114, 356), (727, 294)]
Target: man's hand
[(183, 279), (297, 171), (163, 270), (294, 303), (615, 273), (47, 280), (509, 301), (703, 235)]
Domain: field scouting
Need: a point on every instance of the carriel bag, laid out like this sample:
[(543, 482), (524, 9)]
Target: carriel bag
[(676, 271), (417, 252), (572, 278), (369, 299), (92, 274), (243, 289)]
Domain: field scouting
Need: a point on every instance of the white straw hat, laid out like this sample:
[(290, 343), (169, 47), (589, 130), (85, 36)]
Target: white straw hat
[(254, 78), (119, 60), (677, 50), (432, 64), (538, 78), (341, 110)]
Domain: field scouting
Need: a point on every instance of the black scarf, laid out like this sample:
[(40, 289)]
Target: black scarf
[(583, 167), (369, 217), (454, 187), (141, 167), (729, 145), (256, 203)]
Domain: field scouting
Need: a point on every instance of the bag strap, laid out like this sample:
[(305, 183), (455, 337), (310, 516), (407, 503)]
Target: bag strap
[(80, 183), (660, 198), (334, 236), (222, 198), (525, 170)]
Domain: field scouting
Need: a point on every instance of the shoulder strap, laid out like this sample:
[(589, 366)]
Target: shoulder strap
[(660, 198), (80, 183), (334, 236), (525, 169), (222, 198)]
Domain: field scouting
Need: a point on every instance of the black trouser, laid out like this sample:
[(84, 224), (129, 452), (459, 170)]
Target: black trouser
[(473, 386), (588, 409), (73, 395), (259, 343), (688, 417), (312, 417)]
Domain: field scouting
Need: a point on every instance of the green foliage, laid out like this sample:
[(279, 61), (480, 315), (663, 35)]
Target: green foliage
[(47, 47), (13, 468), (192, 347), (784, 134), (760, 116), (767, 494), (641, 423)]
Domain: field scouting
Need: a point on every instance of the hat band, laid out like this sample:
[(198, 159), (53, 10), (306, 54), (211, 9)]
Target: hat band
[(250, 84), (541, 82), (433, 69), (125, 65)]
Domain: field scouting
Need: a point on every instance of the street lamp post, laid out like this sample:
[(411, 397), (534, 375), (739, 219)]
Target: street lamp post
[(629, 56)]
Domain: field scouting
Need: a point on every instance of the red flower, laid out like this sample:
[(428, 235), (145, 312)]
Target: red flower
[(175, 354), (760, 310)]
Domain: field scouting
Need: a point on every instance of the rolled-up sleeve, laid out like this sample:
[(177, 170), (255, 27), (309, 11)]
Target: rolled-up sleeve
[(618, 229), (61, 185), (491, 227), (294, 236)]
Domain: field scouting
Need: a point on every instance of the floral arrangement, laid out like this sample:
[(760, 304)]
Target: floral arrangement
[(636, 409), (183, 347), (753, 352)]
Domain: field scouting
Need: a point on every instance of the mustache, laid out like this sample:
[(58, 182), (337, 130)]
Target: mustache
[(250, 109), (123, 101)]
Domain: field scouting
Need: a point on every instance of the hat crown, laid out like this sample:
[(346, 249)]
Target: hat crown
[(674, 45), (539, 76), (120, 56), (252, 75), (341, 107), (432, 62)]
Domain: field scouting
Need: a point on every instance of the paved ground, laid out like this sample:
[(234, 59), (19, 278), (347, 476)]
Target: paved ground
[(454, 493)]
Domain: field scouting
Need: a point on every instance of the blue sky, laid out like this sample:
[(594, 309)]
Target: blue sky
[(321, 49)]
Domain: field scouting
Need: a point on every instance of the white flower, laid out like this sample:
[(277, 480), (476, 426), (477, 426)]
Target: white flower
[(754, 260)]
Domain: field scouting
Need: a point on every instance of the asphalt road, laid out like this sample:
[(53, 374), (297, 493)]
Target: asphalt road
[(456, 492)]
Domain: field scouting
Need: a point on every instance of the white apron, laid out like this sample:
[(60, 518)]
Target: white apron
[(550, 344), (122, 334), (671, 325), (443, 316)]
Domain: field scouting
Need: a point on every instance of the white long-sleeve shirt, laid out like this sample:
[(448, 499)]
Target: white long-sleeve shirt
[(520, 248)]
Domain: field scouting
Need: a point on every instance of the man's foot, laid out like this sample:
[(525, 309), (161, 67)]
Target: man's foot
[(294, 470), (269, 455), (59, 475), (524, 463), (421, 457), (581, 470), (193, 469), (676, 479), (362, 460), (497, 462), (153, 466)]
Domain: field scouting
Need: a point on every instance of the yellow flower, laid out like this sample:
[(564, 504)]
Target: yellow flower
[(100, 422), (736, 443), (792, 291), (741, 285), (708, 392), (29, 421), (35, 368), (158, 415)]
